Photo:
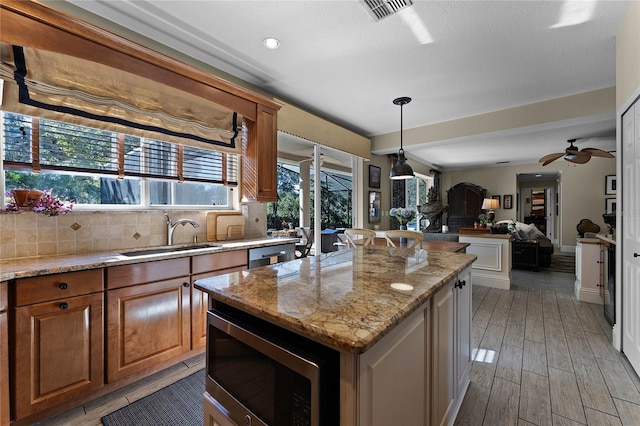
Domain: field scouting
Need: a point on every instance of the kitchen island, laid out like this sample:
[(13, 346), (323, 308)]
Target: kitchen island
[(400, 320)]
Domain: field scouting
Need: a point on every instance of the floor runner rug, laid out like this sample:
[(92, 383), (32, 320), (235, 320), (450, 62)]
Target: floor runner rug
[(179, 404), (561, 263)]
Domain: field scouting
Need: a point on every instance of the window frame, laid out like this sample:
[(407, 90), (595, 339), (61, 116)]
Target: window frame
[(232, 169)]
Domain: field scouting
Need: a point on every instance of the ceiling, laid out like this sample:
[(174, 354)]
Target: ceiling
[(455, 59)]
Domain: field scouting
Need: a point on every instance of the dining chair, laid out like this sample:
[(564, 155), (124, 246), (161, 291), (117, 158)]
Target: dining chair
[(414, 238), (354, 234), (303, 248)]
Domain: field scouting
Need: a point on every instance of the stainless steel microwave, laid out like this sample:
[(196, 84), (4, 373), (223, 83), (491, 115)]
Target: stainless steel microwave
[(264, 375)]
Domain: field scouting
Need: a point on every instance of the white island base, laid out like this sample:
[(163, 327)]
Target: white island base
[(417, 374)]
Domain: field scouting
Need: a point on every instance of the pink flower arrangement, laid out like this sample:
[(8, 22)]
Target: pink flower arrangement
[(48, 204)]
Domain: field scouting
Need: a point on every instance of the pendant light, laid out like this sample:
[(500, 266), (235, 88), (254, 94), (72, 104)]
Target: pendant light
[(401, 169)]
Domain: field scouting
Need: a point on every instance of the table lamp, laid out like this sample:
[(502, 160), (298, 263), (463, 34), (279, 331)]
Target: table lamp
[(490, 204)]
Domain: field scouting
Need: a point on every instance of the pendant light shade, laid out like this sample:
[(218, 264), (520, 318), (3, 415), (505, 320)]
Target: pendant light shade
[(401, 169)]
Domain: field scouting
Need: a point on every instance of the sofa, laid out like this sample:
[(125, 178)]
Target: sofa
[(530, 248)]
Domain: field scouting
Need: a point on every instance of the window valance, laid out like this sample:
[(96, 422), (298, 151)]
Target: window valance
[(66, 88)]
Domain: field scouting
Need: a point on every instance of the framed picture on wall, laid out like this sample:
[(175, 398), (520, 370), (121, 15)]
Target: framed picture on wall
[(374, 176), (610, 185), (609, 204), (374, 206), (507, 202)]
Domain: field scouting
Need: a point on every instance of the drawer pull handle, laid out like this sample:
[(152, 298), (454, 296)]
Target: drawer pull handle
[(64, 305), (185, 284), (63, 286)]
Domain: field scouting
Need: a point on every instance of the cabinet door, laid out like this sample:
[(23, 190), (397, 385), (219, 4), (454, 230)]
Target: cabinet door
[(463, 332), (259, 159), (200, 306), (393, 376), (147, 324), (58, 352), (444, 348), (4, 356)]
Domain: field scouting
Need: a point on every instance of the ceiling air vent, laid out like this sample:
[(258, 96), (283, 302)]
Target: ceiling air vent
[(381, 9)]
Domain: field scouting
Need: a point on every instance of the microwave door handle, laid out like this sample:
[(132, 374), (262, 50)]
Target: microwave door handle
[(302, 366), (265, 256)]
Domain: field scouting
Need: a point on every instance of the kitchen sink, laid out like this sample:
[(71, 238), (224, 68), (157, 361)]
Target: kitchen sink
[(168, 249)]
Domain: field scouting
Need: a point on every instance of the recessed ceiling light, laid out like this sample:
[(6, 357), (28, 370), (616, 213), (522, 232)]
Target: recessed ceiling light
[(271, 43)]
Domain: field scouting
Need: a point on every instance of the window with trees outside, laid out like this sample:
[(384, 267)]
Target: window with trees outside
[(336, 196), (102, 168), (417, 190)]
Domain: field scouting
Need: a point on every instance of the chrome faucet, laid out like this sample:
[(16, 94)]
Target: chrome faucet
[(171, 227)]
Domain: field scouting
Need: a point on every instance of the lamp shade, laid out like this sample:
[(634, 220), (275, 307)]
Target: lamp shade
[(401, 169), (490, 204)]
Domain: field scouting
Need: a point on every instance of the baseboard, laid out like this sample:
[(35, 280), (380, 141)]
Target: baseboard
[(589, 295), (488, 280), (567, 249)]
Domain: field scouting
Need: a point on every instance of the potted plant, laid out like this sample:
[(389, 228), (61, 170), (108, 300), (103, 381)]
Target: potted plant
[(483, 220), (38, 201), (402, 215)]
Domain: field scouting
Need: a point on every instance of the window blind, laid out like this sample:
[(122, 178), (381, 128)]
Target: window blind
[(39, 144)]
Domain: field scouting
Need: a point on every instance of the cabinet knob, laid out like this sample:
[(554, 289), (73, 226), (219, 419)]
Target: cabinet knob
[(636, 255), (64, 305), (458, 284), (463, 282), (63, 286), (185, 284)]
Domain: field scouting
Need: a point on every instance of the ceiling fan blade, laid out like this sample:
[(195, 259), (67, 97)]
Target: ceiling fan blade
[(579, 158), (598, 152), (550, 157)]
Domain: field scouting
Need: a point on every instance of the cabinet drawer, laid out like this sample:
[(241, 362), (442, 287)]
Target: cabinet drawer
[(217, 261), (58, 286), (126, 275)]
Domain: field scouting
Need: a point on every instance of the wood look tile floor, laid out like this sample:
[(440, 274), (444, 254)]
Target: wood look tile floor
[(90, 414), (541, 357)]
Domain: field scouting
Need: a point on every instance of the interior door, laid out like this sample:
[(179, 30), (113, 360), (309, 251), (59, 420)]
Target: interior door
[(630, 296)]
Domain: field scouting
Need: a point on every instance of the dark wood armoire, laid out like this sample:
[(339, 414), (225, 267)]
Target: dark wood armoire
[(465, 200)]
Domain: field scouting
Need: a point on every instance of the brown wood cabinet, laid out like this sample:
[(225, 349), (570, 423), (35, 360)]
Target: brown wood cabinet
[(208, 265), (465, 202), (4, 356), (147, 323), (74, 340), (260, 157), (58, 342)]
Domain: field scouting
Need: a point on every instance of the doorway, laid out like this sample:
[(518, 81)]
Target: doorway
[(538, 202)]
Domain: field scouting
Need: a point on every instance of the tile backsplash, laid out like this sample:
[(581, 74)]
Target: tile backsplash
[(28, 234)]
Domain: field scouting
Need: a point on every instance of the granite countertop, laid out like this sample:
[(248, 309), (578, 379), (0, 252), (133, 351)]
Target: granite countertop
[(41, 265), (342, 299), (608, 238)]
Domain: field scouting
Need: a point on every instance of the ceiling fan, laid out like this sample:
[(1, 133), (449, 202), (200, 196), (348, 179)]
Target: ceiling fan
[(575, 155)]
